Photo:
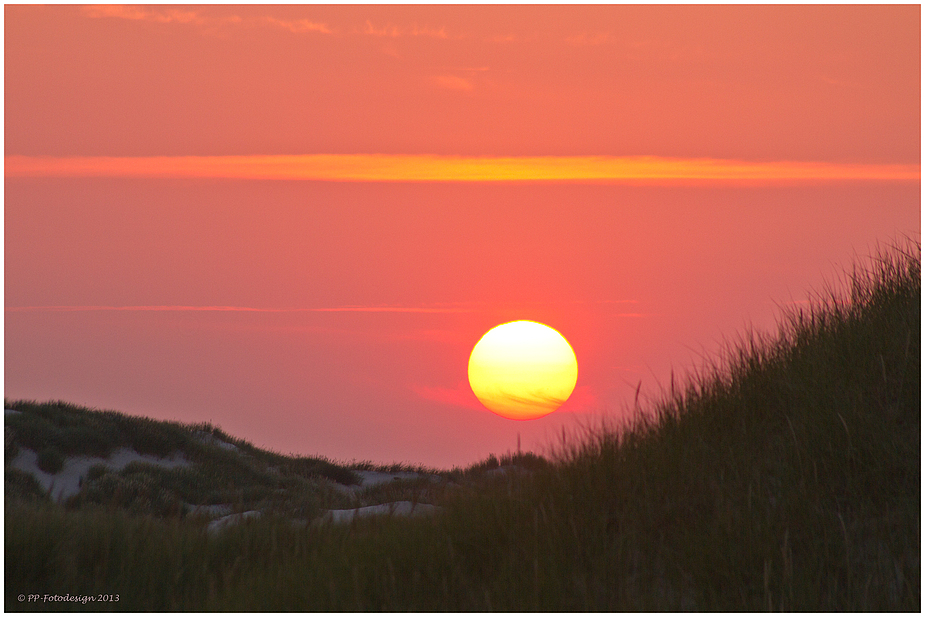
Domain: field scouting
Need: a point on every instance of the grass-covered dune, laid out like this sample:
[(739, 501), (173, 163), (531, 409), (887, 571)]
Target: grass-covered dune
[(220, 469), (784, 477)]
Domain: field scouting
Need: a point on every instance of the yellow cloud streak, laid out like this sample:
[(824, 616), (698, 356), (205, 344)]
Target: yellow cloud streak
[(434, 168)]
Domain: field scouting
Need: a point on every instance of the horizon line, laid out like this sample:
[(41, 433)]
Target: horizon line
[(451, 168)]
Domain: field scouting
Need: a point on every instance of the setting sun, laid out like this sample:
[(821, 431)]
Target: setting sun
[(522, 370), (317, 210)]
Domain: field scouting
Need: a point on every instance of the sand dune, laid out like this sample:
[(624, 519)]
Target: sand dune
[(67, 482), (395, 508)]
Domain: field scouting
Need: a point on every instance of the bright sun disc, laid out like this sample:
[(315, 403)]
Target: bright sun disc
[(522, 370)]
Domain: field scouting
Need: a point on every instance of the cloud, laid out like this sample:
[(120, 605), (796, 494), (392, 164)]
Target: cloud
[(140, 13), (431, 32), (391, 31), (437, 168), (460, 396), (453, 82), (588, 39), (394, 31), (534, 399), (169, 15), (388, 309), (241, 309), (298, 25), (581, 400)]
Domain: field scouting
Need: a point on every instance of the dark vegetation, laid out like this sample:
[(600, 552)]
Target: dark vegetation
[(73, 430), (224, 470), (784, 477)]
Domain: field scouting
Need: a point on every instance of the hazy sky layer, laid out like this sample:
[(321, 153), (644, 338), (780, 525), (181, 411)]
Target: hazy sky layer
[(335, 315), (833, 83)]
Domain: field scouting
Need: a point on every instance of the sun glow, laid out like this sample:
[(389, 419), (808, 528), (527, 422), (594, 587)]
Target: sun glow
[(522, 370)]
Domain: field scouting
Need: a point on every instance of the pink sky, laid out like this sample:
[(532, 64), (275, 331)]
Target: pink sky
[(296, 221)]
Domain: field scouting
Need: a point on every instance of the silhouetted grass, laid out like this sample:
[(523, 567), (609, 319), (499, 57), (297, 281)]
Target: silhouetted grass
[(224, 469), (786, 476)]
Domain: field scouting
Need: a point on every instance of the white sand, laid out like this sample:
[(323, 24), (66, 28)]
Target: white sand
[(67, 481), (505, 470), (216, 510), (232, 519), (375, 478), (215, 441), (396, 508)]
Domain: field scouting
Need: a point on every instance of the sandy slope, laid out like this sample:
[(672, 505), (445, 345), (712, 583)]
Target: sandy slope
[(395, 508), (375, 478), (67, 481)]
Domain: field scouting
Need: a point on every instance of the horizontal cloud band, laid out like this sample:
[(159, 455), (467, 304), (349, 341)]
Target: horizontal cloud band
[(252, 309), (241, 309), (434, 168)]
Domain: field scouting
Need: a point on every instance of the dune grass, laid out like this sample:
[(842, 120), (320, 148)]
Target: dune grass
[(223, 469), (785, 476)]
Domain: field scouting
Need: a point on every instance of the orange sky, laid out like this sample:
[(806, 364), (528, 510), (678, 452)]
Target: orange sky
[(288, 220), (807, 83)]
